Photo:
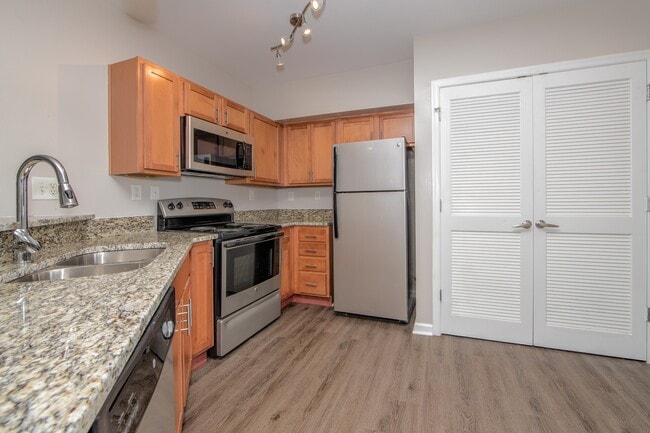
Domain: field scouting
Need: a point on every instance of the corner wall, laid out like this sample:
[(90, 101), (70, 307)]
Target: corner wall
[(55, 101), (608, 27)]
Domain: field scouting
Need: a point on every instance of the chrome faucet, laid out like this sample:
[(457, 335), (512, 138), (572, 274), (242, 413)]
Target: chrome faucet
[(24, 243)]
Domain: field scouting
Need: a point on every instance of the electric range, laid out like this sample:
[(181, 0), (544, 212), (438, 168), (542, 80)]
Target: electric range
[(246, 266)]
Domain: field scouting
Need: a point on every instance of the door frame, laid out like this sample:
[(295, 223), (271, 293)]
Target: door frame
[(434, 328)]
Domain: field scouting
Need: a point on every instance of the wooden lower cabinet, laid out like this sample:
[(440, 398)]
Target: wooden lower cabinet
[(194, 319), (202, 295), (312, 275), (286, 272), (182, 343)]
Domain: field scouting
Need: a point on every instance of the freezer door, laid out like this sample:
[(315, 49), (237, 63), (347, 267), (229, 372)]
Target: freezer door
[(370, 255), (377, 165)]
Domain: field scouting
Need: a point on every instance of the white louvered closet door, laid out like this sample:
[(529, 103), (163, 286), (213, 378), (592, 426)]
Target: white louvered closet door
[(486, 185), (590, 180)]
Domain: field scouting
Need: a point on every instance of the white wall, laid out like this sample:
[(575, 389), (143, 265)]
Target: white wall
[(380, 86), (604, 28), (54, 101)]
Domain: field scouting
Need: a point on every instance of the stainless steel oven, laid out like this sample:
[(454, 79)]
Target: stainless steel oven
[(246, 266), (250, 270)]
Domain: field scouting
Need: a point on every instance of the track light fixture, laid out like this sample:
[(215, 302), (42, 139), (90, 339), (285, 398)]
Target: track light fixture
[(296, 20)]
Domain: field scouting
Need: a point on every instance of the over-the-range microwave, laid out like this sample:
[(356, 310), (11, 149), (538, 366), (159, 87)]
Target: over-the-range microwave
[(208, 149)]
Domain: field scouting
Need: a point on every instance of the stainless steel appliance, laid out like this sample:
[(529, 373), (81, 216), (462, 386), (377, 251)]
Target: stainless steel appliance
[(142, 400), (246, 266), (374, 245), (210, 149)]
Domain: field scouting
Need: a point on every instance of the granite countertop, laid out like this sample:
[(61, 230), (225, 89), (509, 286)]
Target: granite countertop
[(64, 343)]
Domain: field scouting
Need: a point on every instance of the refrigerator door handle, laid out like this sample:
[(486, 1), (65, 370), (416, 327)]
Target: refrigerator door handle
[(336, 225)]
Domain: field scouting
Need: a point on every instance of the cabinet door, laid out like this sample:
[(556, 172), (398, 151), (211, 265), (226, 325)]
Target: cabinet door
[(236, 116), (161, 121), (202, 290), (298, 154), (266, 150), (286, 289), (200, 102), (397, 125), (322, 139), (356, 129), (181, 343)]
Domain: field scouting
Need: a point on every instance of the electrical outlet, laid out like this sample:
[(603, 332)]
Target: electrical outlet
[(290, 197), (316, 195), (45, 188), (136, 192), (154, 193), (251, 194)]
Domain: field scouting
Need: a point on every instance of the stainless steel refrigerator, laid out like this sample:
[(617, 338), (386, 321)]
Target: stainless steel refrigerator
[(374, 244)]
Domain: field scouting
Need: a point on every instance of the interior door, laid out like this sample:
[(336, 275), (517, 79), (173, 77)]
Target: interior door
[(590, 181), (486, 185)]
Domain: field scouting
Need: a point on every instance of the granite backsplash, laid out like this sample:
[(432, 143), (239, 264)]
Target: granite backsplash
[(285, 216), (75, 231)]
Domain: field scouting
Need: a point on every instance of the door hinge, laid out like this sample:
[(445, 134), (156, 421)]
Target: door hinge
[(647, 94), (440, 295), (648, 315), (647, 206), (440, 205), (437, 111)]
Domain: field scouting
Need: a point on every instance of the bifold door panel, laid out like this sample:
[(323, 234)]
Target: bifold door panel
[(543, 186), (486, 176)]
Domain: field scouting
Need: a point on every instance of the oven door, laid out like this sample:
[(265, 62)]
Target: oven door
[(250, 270)]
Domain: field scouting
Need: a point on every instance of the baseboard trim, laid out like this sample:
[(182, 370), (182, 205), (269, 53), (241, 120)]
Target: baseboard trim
[(423, 329)]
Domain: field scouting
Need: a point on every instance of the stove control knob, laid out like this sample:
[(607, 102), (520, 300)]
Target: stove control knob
[(179, 205), (227, 203), (171, 206)]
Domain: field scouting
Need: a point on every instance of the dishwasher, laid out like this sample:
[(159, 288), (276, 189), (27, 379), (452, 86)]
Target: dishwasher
[(142, 400)]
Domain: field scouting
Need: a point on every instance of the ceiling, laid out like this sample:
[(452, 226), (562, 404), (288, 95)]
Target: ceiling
[(348, 35)]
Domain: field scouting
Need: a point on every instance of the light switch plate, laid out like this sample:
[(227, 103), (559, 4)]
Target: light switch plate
[(45, 188), (136, 192), (154, 193), (290, 196), (317, 195)]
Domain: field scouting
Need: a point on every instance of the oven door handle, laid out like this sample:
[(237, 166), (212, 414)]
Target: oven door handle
[(252, 240)]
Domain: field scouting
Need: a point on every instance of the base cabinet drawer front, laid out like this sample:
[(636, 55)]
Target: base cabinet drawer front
[(312, 234), (314, 249), (312, 264), (312, 283)]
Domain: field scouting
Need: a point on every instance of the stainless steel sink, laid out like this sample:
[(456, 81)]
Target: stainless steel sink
[(92, 264), (111, 257)]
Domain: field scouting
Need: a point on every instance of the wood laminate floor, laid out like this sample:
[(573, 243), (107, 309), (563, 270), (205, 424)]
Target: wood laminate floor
[(313, 371)]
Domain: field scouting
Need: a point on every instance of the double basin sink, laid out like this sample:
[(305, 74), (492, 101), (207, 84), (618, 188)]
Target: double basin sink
[(92, 264)]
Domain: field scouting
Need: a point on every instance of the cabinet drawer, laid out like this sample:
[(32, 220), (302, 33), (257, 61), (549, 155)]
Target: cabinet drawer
[(312, 264), (312, 234), (310, 283), (314, 249)]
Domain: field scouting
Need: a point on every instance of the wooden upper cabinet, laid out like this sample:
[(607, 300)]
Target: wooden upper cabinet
[(144, 124), (397, 125), (323, 136), (356, 129), (266, 150), (202, 295), (235, 116), (201, 102), (298, 156), (212, 107)]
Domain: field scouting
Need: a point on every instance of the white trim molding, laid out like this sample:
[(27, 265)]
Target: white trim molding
[(424, 329)]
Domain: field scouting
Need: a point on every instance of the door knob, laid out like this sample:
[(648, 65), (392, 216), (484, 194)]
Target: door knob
[(541, 224), (525, 224)]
